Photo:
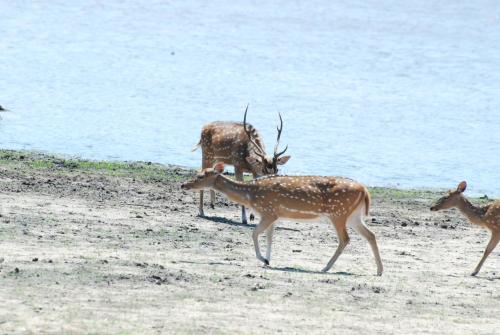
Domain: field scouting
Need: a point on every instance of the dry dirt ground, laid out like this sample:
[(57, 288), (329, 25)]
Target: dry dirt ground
[(117, 248)]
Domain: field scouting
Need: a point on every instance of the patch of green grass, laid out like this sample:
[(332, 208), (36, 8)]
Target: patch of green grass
[(481, 200), (140, 170), (396, 193), (418, 194), (42, 164)]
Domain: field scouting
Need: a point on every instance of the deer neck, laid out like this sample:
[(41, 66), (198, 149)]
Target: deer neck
[(472, 212), (239, 192)]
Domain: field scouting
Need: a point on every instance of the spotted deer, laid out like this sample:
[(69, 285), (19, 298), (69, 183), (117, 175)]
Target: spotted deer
[(343, 201), (485, 216), (240, 145)]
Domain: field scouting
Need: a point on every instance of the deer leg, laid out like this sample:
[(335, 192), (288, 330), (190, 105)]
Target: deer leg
[(205, 163), (362, 229), (252, 216), (263, 225), (340, 227), (269, 238), (201, 204), (238, 174), (489, 248), (212, 199)]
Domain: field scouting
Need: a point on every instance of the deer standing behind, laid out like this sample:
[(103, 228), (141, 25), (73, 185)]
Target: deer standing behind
[(238, 144), (343, 201), (486, 216)]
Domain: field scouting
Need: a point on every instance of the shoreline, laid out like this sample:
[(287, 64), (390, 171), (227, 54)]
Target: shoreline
[(118, 247), (43, 160)]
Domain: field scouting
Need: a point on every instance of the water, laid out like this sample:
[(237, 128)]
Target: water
[(390, 93)]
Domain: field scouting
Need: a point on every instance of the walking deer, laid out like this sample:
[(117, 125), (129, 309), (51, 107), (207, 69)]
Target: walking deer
[(486, 216), (240, 145), (343, 201)]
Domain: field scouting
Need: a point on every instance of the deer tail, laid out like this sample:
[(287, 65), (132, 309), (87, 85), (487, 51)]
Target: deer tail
[(367, 202)]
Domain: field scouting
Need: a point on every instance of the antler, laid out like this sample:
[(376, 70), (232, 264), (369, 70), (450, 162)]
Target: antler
[(259, 150), (280, 128)]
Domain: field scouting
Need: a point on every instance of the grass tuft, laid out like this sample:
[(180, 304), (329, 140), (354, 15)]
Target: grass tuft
[(139, 170)]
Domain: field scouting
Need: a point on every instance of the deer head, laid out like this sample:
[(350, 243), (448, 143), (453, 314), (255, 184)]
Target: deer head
[(205, 178), (264, 164), (451, 198)]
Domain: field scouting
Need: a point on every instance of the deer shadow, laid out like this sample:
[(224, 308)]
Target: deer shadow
[(206, 263), (299, 270), (486, 277), (477, 277), (226, 221), (234, 223)]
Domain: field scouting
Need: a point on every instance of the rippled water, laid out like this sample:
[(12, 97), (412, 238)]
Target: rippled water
[(388, 92)]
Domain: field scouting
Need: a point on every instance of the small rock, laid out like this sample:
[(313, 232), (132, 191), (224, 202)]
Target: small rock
[(404, 224), (35, 259), (257, 287), (16, 270)]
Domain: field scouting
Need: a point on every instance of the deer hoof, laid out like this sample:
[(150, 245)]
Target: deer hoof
[(252, 217), (212, 206), (266, 261), (473, 274)]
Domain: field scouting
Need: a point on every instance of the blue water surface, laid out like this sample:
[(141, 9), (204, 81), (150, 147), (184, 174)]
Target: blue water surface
[(391, 93)]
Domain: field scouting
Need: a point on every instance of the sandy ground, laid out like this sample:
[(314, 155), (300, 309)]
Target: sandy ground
[(94, 251)]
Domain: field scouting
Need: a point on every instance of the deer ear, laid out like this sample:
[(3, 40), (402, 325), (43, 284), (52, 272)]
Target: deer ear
[(462, 186), (251, 160), (283, 160), (219, 167)]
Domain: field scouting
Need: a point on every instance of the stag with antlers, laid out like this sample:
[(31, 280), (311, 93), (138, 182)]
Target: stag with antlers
[(240, 145)]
